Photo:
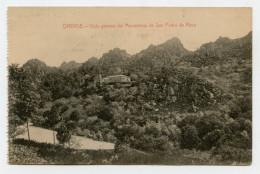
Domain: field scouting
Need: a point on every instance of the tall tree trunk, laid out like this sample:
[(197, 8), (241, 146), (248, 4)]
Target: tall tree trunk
[(28, 130)]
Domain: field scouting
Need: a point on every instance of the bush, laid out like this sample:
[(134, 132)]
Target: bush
[(63, 134), (105, 113), (175, 134), (189, 137), (207, 124), (109, 137), (229, 155), (210, 139), (238, 140), (153, 128), (189, 119), (75, 115), (38, 120)]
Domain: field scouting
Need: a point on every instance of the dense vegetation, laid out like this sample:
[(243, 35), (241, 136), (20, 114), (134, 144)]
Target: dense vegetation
[(177, 100), (29, 152)]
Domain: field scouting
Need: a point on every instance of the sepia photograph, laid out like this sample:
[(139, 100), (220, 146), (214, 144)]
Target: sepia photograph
[(129, 86)]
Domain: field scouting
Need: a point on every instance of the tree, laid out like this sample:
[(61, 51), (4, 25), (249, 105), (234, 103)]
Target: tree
[(106, 113), (13, 119), (44, 97), (24, 98), (63, 134), (55, 115)]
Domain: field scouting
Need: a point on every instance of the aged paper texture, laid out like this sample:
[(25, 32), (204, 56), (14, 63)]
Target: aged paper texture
[(130, 86)]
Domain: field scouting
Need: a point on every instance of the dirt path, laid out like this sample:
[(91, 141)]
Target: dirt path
[(77, 142)]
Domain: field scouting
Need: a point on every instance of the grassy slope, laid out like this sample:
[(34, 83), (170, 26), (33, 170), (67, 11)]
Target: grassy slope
[(29, 152)]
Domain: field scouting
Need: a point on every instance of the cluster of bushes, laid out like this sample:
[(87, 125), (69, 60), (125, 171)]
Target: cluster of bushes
[(79, 116), (134, 116)]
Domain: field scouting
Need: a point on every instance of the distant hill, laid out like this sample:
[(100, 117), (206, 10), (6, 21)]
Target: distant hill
[(113, 59), (70, 65), (161, 55), (223, 50), (227, 63)]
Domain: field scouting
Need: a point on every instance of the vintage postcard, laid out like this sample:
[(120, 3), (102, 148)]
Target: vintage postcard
[(129, 86)]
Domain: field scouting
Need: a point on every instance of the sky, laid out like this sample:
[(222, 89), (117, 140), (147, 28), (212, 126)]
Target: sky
[(40, 32)]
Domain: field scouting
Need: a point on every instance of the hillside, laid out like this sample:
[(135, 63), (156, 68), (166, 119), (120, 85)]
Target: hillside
[(162, 55), (223, 50), (227, 63), (177, 100)]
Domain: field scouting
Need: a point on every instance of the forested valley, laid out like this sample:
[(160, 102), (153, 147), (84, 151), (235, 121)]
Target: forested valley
[(178, 105)]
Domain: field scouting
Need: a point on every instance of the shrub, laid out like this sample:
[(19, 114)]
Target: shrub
[(105, 113), (210, 139), (63, 134), (189, 137), (175, 133), (109, 137), (153, 128), (189, 119), (207, 124), (75, 115), (37, 120), (229, 155)]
